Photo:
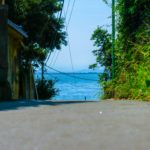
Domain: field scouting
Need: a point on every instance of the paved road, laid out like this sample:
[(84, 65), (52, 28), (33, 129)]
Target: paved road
[(106, 125)]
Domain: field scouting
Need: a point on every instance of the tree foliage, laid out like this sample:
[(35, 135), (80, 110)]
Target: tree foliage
[(102, 41), (133, 63), (132, 52), (46, 89), (38, 18)]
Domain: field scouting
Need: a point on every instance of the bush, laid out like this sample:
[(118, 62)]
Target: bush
[(45, 89)]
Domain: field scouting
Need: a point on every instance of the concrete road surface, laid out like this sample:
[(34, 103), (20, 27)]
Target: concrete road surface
[(105, 125)]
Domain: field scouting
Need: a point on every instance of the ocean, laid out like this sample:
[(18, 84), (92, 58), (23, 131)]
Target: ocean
[(76, 86)]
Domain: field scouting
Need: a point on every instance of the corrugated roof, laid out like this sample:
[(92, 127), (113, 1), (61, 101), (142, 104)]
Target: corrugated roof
[(17, 28)]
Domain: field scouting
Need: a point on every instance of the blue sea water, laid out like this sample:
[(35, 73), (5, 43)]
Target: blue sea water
[(76, 86)]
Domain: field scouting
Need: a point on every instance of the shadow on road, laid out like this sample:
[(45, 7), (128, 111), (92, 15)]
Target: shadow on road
[(4, 106)]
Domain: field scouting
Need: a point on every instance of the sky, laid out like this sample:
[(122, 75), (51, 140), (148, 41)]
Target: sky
[(86, 17)]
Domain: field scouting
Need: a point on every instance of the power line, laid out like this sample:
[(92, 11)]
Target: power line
[(48, 57), (67, 9), (55, 78), (67, 25), (71, 60), (71, 13), (72, 76), (54, 62)]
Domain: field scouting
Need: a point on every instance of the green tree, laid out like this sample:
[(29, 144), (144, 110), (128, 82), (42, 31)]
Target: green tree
[(132, 52), (45, 32), (133, 49), (102, 41), (38, 19), (46, 89)]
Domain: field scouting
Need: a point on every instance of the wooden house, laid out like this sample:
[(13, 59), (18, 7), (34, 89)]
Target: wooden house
[(14, 84)]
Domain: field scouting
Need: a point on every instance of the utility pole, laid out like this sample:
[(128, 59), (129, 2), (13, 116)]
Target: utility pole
[(113, 39)]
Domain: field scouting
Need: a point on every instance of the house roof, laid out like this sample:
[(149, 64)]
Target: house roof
[(17, 28)]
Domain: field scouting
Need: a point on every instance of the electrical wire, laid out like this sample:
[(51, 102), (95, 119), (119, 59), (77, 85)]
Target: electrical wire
[(74, 85), (71, 13), (67, 25), (71, 60), (72, 76), (48, 57), (70, 54), (67, 9), (52, 59), (54, 62)]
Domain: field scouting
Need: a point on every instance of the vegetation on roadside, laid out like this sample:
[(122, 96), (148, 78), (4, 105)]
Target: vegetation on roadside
[(45, 89), (132, 52)]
